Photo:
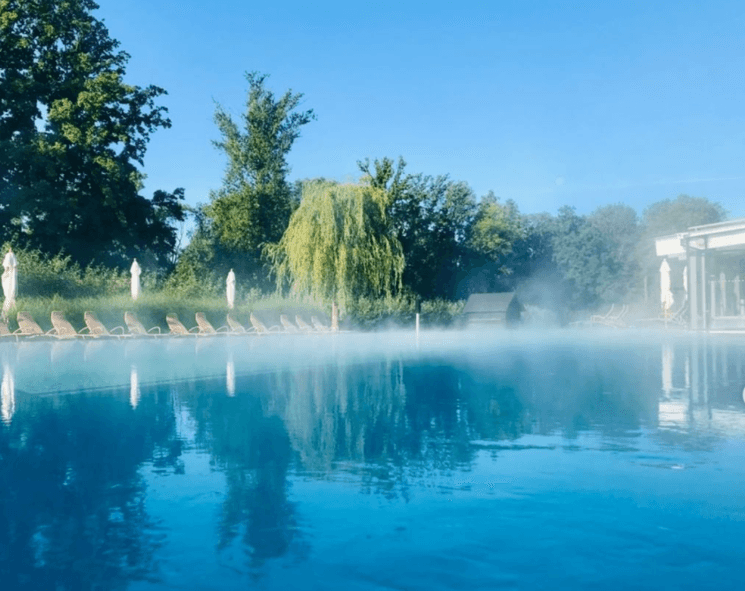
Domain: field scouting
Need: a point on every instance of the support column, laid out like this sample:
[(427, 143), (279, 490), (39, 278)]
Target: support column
[(704, 313), (693, 290), (723, 294), (713, 296), (736, 284)]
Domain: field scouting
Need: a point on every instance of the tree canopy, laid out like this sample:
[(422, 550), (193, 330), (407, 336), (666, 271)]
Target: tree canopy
[(254, 204), (73, 135), (340, 244)]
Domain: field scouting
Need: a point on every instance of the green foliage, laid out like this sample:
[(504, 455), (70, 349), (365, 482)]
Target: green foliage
[(400, 312), (619, 227), (452, 244), (431, 218), (495, 228), (72, 134), (584, 256), (677, 215), (254, 205), (41, 275), (339, 245)]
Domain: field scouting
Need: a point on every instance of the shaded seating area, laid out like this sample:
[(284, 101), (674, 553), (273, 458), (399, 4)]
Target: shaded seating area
[(704, 269)]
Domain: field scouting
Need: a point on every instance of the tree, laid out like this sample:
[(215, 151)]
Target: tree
[(340, 244), (677, 215), (432, 218), (619, 226), (584, 257), (254, 204), (72, 135)]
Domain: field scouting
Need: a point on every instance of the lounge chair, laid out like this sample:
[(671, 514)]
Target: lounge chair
[(318, 325), (28, 327), (96, 328), (677, 318), (618, 320), (602, 317), (287, 325), (236, 327), (261, 328), (4, 330), (303, 325), (62, 328), (136, 328), (206, 328), (178, 329)]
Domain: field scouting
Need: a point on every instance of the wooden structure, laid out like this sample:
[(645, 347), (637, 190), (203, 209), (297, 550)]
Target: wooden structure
[(489, 309)]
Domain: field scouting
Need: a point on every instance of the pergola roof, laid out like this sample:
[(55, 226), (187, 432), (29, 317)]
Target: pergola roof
[(728, 235)]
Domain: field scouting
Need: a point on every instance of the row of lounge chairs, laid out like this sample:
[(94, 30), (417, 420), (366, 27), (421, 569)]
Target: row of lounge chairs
[(618, 318), (28, 327)]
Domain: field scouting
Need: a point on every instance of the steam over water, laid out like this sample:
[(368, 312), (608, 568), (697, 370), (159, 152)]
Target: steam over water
[(511, 460)]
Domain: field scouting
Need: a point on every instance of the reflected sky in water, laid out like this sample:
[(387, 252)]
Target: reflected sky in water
[(374, 462)]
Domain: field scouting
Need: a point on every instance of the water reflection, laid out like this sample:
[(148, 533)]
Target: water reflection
[(72, 499), (78, 471), (134, 387), (230, 375), (7, 394), (701, 387)]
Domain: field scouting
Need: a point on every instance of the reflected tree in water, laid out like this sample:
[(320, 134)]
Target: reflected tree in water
[(253, 449), (72, 510)]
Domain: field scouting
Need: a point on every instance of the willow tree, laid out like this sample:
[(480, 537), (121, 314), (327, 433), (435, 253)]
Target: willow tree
[(340, 244)]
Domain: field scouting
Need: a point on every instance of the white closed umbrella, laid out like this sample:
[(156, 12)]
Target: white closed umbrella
[(230, 289), (136, 272), (665, 294), (10, 281)]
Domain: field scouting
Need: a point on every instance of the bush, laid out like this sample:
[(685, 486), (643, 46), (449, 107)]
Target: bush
[(46, 277), (399, 312)]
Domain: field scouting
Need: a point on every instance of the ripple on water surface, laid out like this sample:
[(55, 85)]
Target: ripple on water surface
[(373, 462)]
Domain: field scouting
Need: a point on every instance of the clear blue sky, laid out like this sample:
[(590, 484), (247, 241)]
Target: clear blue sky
[(546, 103)]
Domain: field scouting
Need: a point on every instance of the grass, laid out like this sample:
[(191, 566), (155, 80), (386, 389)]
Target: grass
[(152, 307)]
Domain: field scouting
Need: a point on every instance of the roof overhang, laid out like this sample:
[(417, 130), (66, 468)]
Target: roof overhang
[(722, 236)]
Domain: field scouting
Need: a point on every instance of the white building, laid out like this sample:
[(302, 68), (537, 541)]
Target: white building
[(714, 256)]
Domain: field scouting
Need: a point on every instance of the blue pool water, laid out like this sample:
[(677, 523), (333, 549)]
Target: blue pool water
[(462, 461)]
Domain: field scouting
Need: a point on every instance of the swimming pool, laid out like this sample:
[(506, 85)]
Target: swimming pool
[(459, 461)]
